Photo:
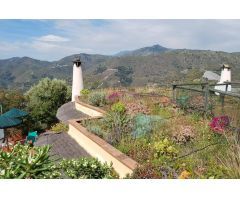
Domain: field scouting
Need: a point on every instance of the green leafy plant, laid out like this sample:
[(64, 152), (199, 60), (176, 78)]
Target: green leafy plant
[(95, 128), (27, 162), (117, 122), (87, 168), (97, 99), (164, 148), (85, 92), (59, 127), (118, 108)]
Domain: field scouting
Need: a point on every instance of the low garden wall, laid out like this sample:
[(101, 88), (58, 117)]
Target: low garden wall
[(87, 109), (100, 149)]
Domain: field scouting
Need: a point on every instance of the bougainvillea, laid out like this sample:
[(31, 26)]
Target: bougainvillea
[(219, 124)]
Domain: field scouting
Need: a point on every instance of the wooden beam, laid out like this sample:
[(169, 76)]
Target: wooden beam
[(191, 89), (185, 84)]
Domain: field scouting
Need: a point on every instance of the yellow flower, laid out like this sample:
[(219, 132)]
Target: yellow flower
[(184, 175)]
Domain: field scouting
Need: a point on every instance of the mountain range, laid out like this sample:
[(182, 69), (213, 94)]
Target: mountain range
[(151, 65)]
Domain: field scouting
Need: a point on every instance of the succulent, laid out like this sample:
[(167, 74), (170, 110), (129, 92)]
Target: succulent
[(97, 99), (183, 134), (135, 108), (164, 148)]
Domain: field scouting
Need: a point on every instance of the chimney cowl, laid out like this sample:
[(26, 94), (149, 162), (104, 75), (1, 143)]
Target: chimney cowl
[(77, 61), (225, 66)]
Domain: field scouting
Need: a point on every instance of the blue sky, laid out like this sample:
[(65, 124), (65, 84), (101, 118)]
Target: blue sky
[(54, 39)]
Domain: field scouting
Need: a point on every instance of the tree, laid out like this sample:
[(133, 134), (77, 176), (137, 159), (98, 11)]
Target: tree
[(44, 99), (100, 69), (10, 99), (125, 75)]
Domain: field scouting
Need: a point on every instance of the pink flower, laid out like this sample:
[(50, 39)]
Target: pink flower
[(219, 124), (113, 98)]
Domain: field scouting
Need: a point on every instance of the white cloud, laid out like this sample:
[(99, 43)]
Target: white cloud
[(111, 36), (52, 38)]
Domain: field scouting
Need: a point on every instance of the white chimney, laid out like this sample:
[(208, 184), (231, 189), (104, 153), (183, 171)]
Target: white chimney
[(225, 77), (77, 82)]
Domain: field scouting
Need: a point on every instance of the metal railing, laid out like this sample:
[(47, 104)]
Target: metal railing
[(205, 89)]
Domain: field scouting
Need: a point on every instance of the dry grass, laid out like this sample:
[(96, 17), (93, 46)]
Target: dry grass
[(232, 158)]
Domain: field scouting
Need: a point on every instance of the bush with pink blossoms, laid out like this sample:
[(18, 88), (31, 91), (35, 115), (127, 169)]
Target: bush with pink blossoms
[(220, 123), (113, 98)]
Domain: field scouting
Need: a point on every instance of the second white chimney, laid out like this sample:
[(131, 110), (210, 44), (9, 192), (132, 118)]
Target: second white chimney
[(225, 77)]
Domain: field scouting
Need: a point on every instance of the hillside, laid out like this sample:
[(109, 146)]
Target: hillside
[(154, 64), (145, 51)]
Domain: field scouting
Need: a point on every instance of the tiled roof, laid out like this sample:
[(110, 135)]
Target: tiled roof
[(63, 146), (68, 111)]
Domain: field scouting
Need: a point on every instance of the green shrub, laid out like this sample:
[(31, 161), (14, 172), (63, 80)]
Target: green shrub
[(118, 108), (86, 168), (144, 124), (164, 148), (44, 99), (27, 162), (85, 92), (117, 122), (97, 99), (59, 127), (96, 129)]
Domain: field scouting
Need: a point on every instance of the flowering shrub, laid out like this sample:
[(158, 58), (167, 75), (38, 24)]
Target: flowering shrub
[(219, 124), (113, 98), (86, 168)]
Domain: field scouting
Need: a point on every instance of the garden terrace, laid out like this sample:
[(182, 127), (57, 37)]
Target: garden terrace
[(100, 149), (166, 141)]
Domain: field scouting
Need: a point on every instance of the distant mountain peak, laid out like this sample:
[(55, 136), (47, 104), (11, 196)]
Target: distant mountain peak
[(145, 51)]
